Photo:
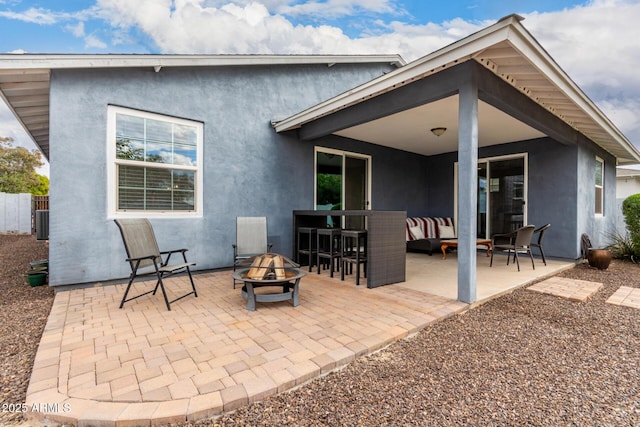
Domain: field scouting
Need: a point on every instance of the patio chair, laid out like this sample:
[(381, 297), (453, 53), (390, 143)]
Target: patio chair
[(540, 232), (518, 241), (251, 239), (145, 259)]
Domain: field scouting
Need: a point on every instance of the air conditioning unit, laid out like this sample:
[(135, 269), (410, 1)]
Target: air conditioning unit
[(42, 225)]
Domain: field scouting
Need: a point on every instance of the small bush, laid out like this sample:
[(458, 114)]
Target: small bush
[(631, 212), (622, 246)]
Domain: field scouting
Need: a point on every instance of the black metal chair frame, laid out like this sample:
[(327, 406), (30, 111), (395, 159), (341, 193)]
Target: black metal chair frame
[(142, 253), (328, 248), (519, 241), (310, 250), (540, 232), (353, 250)]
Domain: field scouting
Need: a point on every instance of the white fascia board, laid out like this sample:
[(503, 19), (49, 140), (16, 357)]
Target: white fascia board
[(529, 48), (457, 52), (29, 61)]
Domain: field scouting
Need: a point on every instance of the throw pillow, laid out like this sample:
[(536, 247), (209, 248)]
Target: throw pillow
[(447, 232), (416, 232)]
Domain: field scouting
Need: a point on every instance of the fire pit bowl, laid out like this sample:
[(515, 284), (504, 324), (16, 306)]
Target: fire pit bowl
[(270, 270)]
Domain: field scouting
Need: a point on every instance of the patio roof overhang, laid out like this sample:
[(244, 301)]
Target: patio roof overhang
[(505, 50), (25, 78)]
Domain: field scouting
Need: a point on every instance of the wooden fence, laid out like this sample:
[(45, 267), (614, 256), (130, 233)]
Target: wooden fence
[(40, 203)]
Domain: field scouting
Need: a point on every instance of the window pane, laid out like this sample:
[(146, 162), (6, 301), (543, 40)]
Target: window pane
[(158, 178), (130, 177), (184, 155), (185, 135), (598, 173), (158, 131), (183, 190), (599, 203), (158, 200), (155, 141), (141, 188), (129, 127), (129, 149), (151, 154)]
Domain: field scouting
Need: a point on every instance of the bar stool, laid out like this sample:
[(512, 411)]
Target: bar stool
[(328, 247), (306, 244), (353, 251)]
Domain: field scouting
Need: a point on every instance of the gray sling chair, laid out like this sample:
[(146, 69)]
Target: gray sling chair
[(518, 241), (145, 258), (251, 239)]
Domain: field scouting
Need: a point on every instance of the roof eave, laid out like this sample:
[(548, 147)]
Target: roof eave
[(507, 30), (61, 61), (17, 71)]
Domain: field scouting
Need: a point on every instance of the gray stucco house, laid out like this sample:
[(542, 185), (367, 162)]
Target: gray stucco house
[(193, 141)]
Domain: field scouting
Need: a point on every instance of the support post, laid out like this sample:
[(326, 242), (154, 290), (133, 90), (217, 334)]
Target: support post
[(467, 189)]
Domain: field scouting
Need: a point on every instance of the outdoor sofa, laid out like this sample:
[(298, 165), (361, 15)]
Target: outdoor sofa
[(424, 233)]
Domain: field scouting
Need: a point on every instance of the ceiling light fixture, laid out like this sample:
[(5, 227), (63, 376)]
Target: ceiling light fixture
[(439, 131)]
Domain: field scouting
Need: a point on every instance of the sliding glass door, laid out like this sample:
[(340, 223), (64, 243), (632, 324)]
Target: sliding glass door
[(506, 195), (502, 195), (342, 182)]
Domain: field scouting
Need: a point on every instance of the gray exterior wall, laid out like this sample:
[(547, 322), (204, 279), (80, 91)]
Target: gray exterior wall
[(561, 191), (599, 228), (248, 168)]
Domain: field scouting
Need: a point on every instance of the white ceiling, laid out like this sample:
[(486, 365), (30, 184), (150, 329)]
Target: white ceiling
[(410, 130)]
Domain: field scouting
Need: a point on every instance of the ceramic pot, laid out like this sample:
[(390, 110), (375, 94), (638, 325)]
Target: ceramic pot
[(36, 277), (599, 258)]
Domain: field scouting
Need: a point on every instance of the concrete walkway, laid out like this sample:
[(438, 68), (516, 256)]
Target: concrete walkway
[(104, 366)]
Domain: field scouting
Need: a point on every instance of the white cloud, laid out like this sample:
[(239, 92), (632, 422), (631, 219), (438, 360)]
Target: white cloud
[(338, 8), (597, 45), (77, 30), (624, 113), (35, 16), (93, 42)]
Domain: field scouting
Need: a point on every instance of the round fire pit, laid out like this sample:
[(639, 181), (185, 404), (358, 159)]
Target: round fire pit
[(270, 270)]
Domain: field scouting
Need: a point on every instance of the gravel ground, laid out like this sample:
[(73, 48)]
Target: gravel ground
[(521, 359), (23, 315)]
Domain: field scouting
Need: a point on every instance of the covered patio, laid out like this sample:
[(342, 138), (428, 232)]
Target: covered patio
[(494, 95), (435, 276), (97, 364)]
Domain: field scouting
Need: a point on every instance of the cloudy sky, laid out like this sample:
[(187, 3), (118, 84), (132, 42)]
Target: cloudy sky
[(595, 42)]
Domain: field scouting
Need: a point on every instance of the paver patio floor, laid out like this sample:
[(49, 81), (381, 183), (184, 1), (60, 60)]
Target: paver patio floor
[(101, 365)]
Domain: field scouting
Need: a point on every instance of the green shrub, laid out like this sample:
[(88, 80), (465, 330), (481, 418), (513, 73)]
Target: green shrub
[(631, 212), (621, 246)]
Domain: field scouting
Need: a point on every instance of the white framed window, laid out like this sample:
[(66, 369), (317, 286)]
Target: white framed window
[(154, 164), (599, 180)]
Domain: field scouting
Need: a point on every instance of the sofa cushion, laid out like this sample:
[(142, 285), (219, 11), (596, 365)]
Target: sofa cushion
[(416, 232), (428, 225), (446, 232)]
